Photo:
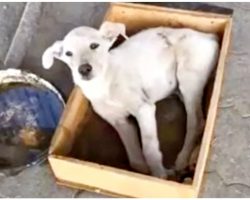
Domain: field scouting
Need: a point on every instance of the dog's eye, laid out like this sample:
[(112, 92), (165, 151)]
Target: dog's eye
[(94, 46), (69, 53)]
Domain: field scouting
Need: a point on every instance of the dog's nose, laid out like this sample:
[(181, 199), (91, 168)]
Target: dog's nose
[(85, 69)]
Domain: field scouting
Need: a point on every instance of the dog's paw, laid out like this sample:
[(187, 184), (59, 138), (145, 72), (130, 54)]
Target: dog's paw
[(170, 172), (140, 167), (162, 173), (181, 162)]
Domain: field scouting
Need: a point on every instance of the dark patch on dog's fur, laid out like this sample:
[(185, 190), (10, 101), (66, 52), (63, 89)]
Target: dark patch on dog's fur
[(145, 94), (60, 52), (182, 37), (164, 36)]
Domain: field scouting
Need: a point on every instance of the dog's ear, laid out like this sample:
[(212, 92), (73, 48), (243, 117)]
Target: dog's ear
[(111, 31), (54, 51)]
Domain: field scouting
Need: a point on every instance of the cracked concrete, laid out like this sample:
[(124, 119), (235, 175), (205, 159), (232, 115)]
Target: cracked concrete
[(227, 173)]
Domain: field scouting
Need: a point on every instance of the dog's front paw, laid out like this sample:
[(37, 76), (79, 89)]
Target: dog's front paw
[(181, 162), (162, 173), (140, 167)]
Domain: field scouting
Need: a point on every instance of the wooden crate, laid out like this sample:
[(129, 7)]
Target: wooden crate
[(108, 180)]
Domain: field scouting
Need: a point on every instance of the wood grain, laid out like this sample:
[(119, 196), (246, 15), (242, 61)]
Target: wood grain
[(119, 181)]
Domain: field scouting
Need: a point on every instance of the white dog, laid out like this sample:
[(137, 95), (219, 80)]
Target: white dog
[(130, 79)]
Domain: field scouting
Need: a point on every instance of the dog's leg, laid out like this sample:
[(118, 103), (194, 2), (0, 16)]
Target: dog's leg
[(151, 150), (129, 137), (191, 86)]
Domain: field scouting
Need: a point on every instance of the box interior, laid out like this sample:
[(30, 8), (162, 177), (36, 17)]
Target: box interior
[(99, 142), (90, 138)]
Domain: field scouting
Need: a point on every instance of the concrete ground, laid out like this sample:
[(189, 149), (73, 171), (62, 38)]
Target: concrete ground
[(227, 173)]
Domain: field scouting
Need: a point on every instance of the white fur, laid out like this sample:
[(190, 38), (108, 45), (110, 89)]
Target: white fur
[(131, 78)]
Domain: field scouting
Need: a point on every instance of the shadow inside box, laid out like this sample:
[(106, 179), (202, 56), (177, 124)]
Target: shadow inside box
[(98, 142)]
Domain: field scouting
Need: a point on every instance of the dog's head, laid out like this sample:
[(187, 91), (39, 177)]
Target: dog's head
[(84, 49)]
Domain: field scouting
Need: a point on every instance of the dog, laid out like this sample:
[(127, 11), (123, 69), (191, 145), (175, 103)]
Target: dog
[(131, 78)]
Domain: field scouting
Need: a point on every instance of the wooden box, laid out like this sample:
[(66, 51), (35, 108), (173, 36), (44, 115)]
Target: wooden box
[(99, 178)]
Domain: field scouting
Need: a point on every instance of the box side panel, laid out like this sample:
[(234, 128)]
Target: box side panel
[(212, 112), (87, 188), (74, 116), (114, 180), (207, 9), (194, 6), (139, 17)]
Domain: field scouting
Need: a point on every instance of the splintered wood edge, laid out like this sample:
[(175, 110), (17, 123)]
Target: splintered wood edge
[(212, 112), (113, 180)]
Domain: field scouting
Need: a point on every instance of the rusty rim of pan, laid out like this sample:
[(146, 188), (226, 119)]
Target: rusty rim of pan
[(19, 76)]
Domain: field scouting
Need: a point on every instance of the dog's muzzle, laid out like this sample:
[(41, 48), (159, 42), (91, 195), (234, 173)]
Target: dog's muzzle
[(85, 70)]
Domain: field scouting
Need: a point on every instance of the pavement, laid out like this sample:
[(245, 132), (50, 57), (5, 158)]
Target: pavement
[(227, 172)]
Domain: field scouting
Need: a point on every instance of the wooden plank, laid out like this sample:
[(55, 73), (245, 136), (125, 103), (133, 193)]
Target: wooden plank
[(115, 180), (72, 118), (87, 188), (208, 132), (137, 17), (75, 109), (173, 10)]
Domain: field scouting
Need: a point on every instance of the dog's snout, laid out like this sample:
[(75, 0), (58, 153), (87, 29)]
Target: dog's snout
[(85, 69)]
